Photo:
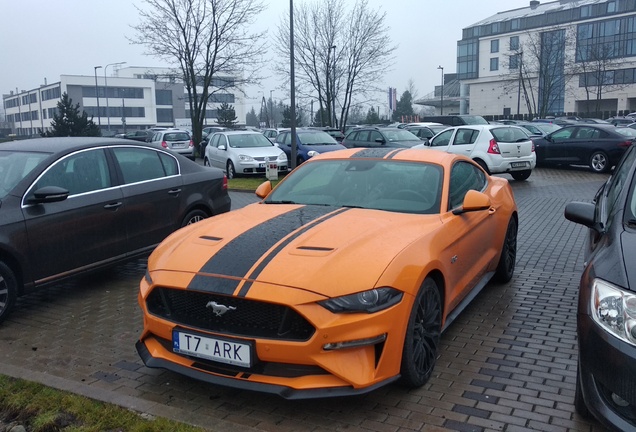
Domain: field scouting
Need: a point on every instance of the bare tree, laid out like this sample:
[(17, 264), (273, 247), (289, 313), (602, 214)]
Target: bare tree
[(336, 59), (209, 41), (596, 65)]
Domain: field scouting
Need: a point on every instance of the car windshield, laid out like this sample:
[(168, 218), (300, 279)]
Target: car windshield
[(248, 140), (400, 135), (14, 166), (176, 136), (316, 138), (396, 186)]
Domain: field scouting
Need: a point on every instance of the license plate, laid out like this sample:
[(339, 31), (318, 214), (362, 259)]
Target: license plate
[(179, 145), (518, 164), (221, 350)]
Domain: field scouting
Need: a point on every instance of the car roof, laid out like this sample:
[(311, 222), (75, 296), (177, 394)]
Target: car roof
[(65, 144), (239, 132)]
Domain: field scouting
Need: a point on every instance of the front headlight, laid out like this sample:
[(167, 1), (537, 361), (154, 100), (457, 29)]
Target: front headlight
[(312, 153), (370, 301), (246, 158), (614, 310), (282, 157)]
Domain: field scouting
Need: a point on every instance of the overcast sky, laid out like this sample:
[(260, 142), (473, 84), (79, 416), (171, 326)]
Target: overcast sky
[(43, 39)]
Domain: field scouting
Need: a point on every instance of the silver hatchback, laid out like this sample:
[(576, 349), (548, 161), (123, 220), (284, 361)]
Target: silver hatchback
[(179, 141)]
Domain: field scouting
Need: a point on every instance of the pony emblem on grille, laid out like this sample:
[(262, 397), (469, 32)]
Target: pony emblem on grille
[(219, 309)]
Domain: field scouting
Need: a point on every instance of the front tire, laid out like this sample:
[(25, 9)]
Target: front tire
[(193, 217), (206, 162), (521, 175), (230, 171), (506, 267), (8, 291), (421, 342), (579, 402), (599, 162)]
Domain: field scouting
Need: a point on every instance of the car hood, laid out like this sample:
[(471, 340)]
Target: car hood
[(326, 250), (628, 243), (322, 148), (258, 152)]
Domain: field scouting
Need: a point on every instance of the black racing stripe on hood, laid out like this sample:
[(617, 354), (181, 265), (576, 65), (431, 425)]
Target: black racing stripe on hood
[(257, 271), (375, 153), (239, 255), (393, 154)]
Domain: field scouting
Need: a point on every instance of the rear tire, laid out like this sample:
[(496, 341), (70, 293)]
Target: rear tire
[(579, 402), (599, 162), (506, 267), (8, 291), (421, 341), (521, 175)]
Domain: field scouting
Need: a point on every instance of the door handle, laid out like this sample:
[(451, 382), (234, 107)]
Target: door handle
[(174, 191), (113, 206), (492, 210)]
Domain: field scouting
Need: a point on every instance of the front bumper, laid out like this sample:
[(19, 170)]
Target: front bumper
[(296, 364), (607, 369)]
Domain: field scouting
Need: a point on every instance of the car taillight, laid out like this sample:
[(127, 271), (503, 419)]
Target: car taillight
[(493, 148), (532, 145), (625, 143), (191, 144), (164, 144), (224, 182)]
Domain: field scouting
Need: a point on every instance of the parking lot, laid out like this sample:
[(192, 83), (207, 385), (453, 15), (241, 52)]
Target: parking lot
[(508, 363)]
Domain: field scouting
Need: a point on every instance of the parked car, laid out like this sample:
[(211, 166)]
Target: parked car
[(596, 145), (243, 152), (271, 134), (177, 140), (71, 205), (206, 133), (594, 120), (620, 121), (539, 129), (454, 120), (139, 135), (334, 132), (309, 142), (425, 132), (496, 148), (348, 275), (606, 320), (380, 137)]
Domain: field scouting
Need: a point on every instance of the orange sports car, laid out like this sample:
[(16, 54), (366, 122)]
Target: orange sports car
[(339, 281)]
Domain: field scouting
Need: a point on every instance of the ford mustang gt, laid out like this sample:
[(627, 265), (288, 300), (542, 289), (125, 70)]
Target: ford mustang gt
[(340, 280)]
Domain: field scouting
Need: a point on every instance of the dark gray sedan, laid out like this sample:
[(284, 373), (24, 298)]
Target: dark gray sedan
[(598, 146), (72, 205)]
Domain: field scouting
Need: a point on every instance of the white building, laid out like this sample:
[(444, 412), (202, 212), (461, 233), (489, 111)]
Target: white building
[(130, 98), (549, 55)]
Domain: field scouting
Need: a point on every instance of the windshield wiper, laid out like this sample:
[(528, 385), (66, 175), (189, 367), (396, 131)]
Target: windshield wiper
[(280, 202)]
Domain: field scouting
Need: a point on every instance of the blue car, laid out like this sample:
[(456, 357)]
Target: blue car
[(309, 142)]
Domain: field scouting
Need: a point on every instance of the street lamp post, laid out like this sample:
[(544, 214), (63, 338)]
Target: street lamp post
[(99, 122), (106, 90), (441, 105), (333, 86), (271, 110)]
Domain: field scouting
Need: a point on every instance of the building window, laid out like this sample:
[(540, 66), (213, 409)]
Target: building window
[(586, 11), (163, 97), (611, 7), (494, 46), (514, 43), (494, 64), (514, 62), (515, 24), (164, 115)]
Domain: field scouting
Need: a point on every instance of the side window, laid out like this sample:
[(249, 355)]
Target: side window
[(465, 136), (617, 183), (425, 133), (442, 139), (363, 136), (563, 134), (373, 136), (287, 139), (139, 164), (464, 177), (81, 172), (353, 136)]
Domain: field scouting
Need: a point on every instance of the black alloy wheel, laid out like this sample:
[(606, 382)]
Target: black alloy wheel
[(506, 267), (421, 342), (8, 290)]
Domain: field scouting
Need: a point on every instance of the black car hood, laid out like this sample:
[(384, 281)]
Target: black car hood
[(628, 246)]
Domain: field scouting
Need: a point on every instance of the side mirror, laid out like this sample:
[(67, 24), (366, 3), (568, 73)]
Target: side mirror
[(264, 189), (581, 213), (221, 147), (48, 194), (473, 201)]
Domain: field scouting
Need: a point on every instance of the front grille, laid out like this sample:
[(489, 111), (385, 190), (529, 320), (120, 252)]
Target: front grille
[(250, 318)]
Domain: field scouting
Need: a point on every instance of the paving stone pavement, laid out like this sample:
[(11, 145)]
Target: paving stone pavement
[(508, 363)]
